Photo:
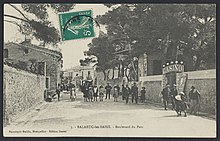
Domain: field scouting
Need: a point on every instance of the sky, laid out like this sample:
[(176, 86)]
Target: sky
[(72, 50)]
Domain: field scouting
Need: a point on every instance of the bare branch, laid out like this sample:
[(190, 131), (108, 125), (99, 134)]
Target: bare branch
[(13, 22), (19, 11), (11, 16)]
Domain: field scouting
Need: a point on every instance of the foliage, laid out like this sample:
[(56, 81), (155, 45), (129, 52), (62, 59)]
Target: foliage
[(39, 26), (179, 31)]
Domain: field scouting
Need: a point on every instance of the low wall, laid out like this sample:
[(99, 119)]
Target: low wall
[(204, 81), (22, 90)]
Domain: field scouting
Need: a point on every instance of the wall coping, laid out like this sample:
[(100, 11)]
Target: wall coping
[(203, 74), (23, 72), (151, 78)]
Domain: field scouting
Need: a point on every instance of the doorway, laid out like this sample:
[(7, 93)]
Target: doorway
[(171, 78)]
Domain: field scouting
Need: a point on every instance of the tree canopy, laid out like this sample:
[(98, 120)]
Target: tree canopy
[(184, 32), (34, 20)]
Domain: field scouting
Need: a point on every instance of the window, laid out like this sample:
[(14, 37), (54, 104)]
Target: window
[(5, 53), (47, 82)]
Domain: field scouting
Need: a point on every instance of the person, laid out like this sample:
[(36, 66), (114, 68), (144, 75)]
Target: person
[(90, 94), (95, 89), (134, 92), (108, 91), (123, 90), (173, 93), (181, 105), (116, 93), (127, 93), (72, 92), (165, 94), (194, 99), (101, 92), (86, 92), (58, 90), (143, 92)]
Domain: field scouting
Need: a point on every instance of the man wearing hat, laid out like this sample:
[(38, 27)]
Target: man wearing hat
[(194, 99), (165, 93), (173, 93), (134, 92)]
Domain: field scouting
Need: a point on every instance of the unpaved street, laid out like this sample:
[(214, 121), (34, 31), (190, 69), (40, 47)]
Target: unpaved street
[(108, 118)]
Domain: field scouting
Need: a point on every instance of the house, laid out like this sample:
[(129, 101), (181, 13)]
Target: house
[(27, 52), (81, 72)]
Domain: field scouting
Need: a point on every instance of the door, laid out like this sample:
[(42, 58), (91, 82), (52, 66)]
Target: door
[(171, 78)]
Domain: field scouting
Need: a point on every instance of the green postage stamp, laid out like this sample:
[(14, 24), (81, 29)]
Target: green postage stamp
[(76, 25)]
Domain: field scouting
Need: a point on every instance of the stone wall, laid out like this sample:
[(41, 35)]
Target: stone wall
[(53, 66), (204, 81), (22, 91)]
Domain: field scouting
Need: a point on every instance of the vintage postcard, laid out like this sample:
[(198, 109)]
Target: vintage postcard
[(109, 70)]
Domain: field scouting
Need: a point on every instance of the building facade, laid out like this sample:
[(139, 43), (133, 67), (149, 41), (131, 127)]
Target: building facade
[(26, 52)]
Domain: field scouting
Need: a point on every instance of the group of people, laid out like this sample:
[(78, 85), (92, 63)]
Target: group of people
[(179, 100), (91, 93), (133, 92)]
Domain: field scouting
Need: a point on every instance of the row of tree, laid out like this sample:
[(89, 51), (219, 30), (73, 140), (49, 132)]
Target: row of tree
[(184, 32)]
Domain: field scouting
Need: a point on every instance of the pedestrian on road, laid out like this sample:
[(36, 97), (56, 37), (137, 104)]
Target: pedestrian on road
[(134, 92), (58, 90), (181, 105), (194, 99), (91, 94), (108, 90), (116, 93), (143, 92), (72, 92), (101, 93), (127, 93), (123, 91), (86, 92), (173, 93), (165, 93), (95, 89)]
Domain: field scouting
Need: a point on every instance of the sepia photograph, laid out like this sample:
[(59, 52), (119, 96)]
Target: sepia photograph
[(109, 70)]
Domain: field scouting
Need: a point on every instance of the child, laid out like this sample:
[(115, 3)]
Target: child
[(101, 92), (95, 89), (116, 93), (143, 92)]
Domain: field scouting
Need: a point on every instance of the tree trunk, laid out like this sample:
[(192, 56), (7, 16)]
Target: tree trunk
[(197, 64), (104, 74), (108, 74), (113, 72), (126, 74), (122, 69), (119, 70)]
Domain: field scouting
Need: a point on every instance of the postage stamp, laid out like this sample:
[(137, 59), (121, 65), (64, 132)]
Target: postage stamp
[(76, 25)]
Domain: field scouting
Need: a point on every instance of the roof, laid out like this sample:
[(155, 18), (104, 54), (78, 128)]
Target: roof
[(38, 48), (78, 68)]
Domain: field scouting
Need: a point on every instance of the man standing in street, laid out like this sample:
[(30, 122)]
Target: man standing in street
[(58, 90), (123, 90), (134, 92), (165, 93), (108, 90), (194, 99), (127, 93)]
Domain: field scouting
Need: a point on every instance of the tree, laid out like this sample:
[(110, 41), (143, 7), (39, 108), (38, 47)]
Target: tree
[(169, 29), (103, 50), (38, 26)]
